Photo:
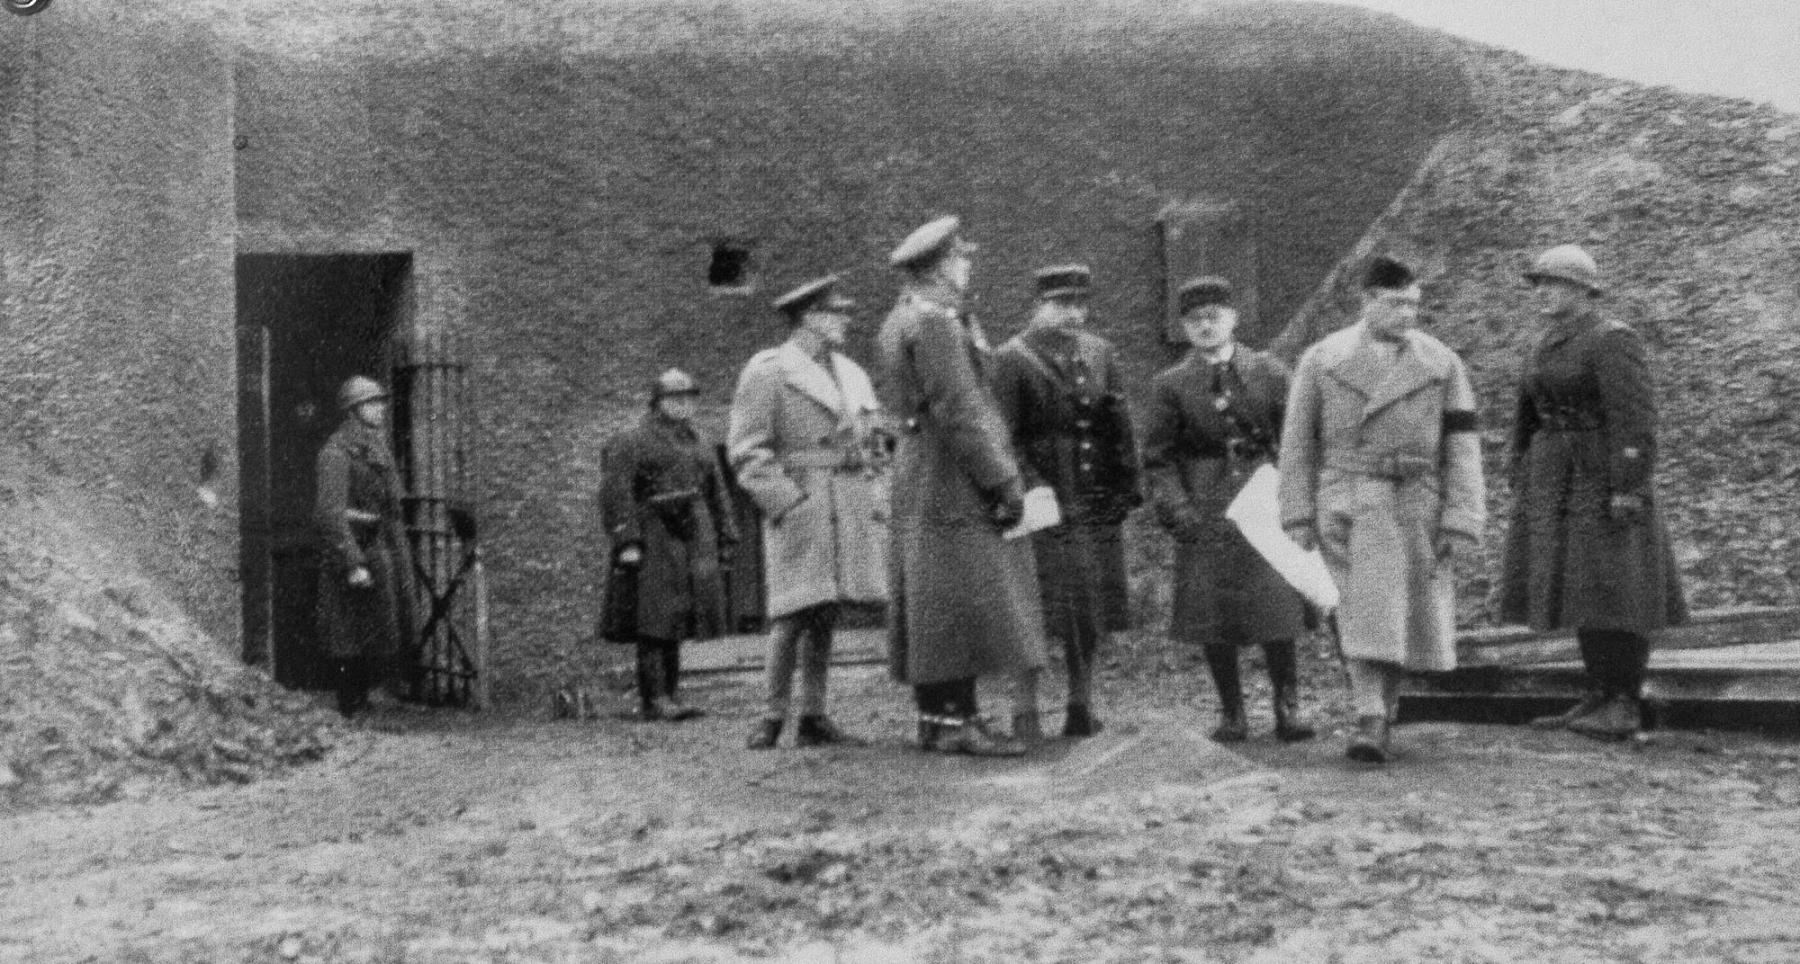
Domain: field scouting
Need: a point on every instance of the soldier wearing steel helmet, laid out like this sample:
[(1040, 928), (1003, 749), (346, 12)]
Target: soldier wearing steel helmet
[(667, 516), (365, 585), (1586, 547)]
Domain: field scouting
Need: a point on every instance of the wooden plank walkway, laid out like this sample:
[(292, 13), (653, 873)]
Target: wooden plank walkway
[(748, 653)]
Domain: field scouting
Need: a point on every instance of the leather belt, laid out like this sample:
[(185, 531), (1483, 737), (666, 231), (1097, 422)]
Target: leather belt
[(840, 460), (1398, 466), (1569, 420)]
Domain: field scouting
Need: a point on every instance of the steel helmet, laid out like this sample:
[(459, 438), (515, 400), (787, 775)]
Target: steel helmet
[(1569, 263), (673, 382), (359, 389)]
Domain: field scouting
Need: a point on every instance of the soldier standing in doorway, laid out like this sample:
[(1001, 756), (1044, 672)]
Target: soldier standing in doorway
[(1058, 387), (965, 601), (804, 445), (1214, 419), (365, 584), (1381, 470), (667, 514)]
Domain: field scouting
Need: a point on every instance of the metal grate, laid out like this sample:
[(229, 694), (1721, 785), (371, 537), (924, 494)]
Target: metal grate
[(432, 410)]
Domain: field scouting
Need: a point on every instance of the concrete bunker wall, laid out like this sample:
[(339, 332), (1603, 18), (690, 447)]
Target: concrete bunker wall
[(562, 205), (116, 245)]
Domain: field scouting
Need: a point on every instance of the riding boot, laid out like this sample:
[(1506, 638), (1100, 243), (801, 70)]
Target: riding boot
[(652, 704), (1596, 662), (1234, 725), (1284, 680)]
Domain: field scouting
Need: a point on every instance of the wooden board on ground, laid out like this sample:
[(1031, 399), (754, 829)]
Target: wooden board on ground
[(1709, 629), (1755, 673)]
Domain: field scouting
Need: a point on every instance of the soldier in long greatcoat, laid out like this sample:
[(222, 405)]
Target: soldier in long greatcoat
[(1214, 419), (965, 600), (365, 579), (805, 443), (1058, 386), (1587, 548), (666, 512), (1381, 470)]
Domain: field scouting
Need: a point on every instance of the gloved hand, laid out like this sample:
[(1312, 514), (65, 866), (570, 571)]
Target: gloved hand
[(1009, 503), (630, 556), (360, 578)]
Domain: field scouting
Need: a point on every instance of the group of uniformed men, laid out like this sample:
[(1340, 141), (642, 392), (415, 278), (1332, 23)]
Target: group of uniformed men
[(912, 496)]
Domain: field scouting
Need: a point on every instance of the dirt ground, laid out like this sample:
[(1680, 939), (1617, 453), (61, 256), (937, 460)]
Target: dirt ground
[(443, 836)]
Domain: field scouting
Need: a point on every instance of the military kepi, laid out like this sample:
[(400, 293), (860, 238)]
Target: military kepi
[(1389, 272), (1202, 292), (930, 242), (815, 295), (1065, 281)]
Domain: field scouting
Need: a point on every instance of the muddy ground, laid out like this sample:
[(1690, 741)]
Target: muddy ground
[(444, 836)]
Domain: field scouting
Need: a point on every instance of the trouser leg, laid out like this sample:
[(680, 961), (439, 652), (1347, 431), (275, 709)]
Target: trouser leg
[(1597, 658), (1227, 679), (671, 667), (784, 650), (1079, 648), (649, 674), (816, 666), (1371, 684), (1628, 662), (352, 685), (947, 698)]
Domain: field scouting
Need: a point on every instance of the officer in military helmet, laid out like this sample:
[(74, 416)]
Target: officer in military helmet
[(965, 600), (667, 516), (1587, 548), (1215, 418), (365, 585), (1059, 388), (803, 444)]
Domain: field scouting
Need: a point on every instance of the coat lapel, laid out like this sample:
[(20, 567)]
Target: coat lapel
[(810, 378), (1406, 374)]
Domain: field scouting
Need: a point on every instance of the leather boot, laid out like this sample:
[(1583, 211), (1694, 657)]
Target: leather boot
[(1079, 721), (1027, 727), (1620, 717), (1234, 724), (1284, 682), (674, 709), (763, 737), (931, 733), (1370, 744), (1583, 707), (971, 736), (818, 730), (1290, 725)]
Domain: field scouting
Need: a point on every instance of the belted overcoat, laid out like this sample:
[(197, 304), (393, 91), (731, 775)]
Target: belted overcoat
[(662, 489), (1196, 459), (1586, 431), (803, 443), (1061, 393), (1379, 453), (965, 601), (357, 515)]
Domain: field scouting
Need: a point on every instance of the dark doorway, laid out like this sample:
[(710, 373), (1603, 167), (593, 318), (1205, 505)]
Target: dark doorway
[(305, 324)]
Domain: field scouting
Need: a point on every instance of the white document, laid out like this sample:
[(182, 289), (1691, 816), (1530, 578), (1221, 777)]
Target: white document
[(1257, 513), (1041, 512)]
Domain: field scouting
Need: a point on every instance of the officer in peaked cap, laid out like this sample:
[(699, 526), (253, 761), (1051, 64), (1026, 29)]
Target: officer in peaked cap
[(1381, 471), (365, 578), (803, 445), (668, 518), (1202, 292), (1214, 420), (965, 600), (1058, 387)]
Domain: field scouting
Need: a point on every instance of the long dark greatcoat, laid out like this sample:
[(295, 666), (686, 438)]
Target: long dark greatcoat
[(965, 601), (357, 515), (1586, 431), (661, 489), (1061, 393), (1196, 459)]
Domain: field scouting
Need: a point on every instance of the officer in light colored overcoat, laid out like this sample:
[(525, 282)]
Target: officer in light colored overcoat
[(1381, 469), (806, 444), (965, 601)]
